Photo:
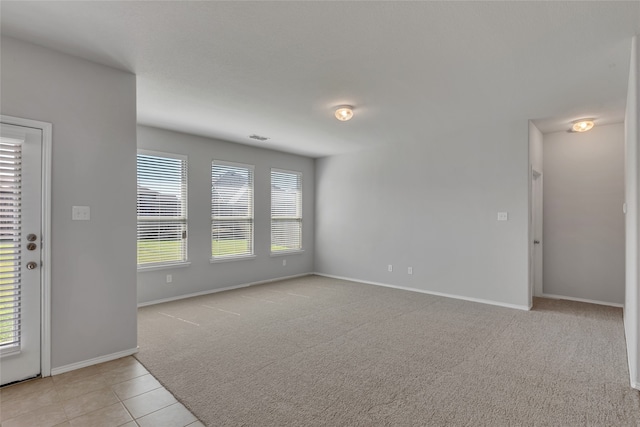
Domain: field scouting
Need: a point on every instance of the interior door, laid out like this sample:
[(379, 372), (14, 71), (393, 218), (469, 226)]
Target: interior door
[(20, 252), (536, 192)]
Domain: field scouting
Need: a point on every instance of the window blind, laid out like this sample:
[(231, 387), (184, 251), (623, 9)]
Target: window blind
[(162, 209), (286, 211), (231, 210), (10, 242)]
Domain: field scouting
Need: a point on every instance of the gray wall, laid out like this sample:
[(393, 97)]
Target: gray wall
[(201, 275), (632, 161), (93, 112), (583, 233), (430, 204)]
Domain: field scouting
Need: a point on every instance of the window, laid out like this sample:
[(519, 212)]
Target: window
[(286, 211), (11, 218), (231, 210), (162, 209)]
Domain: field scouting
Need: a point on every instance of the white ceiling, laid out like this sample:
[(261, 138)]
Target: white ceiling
[(411, 69)]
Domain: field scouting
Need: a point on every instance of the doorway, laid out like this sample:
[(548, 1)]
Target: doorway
[(24, 249)]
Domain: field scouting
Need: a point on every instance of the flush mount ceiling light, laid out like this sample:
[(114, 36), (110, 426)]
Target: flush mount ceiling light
[(344, 113), (582, 125)]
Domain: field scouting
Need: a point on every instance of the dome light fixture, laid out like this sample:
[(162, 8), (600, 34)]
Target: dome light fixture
[(344, 113), (582, 125)]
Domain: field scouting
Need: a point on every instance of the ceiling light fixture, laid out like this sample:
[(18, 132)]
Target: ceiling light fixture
[(582, 125), (344, 113)]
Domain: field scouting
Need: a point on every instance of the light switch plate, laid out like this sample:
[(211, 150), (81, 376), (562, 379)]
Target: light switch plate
[(81, 213), (503, 216)]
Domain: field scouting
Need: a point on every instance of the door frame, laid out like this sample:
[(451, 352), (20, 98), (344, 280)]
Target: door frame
[(45, 271), (534, 175), (537, 200)]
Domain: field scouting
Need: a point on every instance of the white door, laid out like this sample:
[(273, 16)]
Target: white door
[(536, 218), (20, 252)]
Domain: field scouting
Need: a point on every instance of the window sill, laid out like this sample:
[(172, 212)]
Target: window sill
[(284, 253), (163, 266), (231, 258)]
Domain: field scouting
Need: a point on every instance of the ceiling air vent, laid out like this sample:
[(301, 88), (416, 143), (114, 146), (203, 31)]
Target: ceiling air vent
[(258, 137)]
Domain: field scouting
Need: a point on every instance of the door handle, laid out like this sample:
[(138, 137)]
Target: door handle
[(536, 242), (31, 265)]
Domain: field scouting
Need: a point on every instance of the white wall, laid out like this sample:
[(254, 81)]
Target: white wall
[(201, 275), (583, 219), (632, 162), (93, 112), (432, 205)]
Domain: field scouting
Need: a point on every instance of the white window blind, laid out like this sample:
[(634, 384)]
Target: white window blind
[(286, 211), (231, 210), (162, 209), (10, 240)]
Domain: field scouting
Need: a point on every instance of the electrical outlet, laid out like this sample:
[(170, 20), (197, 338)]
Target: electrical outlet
[(169, 278), (284, 262), (503, 216), (80, 213), (410, 270), (390, 268)]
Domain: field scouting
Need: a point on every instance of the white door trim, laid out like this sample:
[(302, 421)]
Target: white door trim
[(534, 175), (537, 218), (45, 271)]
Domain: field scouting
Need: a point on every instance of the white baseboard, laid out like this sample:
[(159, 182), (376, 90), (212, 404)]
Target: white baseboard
[(635, 385), (589, 301), (213, 291), (440, 294), (107, 358)]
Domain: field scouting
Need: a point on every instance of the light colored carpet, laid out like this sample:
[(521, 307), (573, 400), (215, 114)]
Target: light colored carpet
[(316, 351)]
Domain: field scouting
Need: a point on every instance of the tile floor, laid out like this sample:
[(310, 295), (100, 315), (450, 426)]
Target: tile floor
[(117, 393)]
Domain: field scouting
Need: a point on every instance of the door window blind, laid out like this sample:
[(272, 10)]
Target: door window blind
[(286, 211), (231, 210), (162, 209), (10, 242)]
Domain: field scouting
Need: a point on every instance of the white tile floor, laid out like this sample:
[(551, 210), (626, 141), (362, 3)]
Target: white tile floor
[(117, 393)]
